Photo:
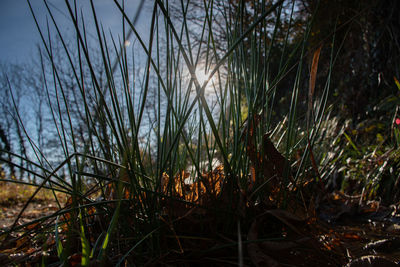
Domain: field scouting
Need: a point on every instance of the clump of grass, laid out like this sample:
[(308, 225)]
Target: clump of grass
[(135, 160)]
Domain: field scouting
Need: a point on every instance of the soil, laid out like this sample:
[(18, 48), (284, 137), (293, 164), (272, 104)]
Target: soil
[(37, 209)]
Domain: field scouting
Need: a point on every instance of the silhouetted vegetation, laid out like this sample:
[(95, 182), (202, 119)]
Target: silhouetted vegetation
[(235, 133)]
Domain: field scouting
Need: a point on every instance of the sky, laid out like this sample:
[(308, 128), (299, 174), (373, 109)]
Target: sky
[(19, 36)]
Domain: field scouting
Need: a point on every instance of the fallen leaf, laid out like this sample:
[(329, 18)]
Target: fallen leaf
[(313, 76), (33, 226), (75, 259), (351, 236)]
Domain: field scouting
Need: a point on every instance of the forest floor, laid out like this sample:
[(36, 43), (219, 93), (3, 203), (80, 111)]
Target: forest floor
[(37, 209), (13, 197), (357, 233)]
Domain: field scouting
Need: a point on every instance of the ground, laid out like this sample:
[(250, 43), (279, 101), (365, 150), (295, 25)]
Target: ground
[(345, 231)]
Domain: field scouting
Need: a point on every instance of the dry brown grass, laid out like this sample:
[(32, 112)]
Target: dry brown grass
[(14, 196), (17, 193)]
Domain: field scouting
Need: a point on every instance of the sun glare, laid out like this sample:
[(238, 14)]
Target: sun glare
[(202, 76), (127, 43)]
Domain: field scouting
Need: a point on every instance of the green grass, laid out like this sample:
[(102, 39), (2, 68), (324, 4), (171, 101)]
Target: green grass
[(146, 123)]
